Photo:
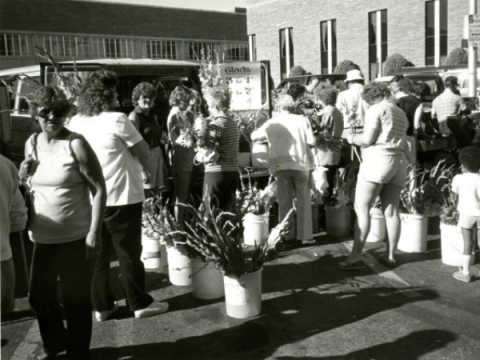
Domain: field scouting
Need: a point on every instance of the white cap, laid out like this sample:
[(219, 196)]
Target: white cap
[(354, 75)]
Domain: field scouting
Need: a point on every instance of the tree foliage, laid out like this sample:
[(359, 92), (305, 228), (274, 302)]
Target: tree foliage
[(297, 70), (457, 56), (394, 63), (345, 66)]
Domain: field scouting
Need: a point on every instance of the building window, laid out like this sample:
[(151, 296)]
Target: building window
[(328, 46), (158, 49), (16, 45), (377, 42), (252, 47), (64, 46), (436, 32), (286, 51), (235, 52)]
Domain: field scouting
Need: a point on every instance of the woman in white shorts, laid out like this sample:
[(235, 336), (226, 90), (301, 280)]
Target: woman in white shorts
[(383, 171)]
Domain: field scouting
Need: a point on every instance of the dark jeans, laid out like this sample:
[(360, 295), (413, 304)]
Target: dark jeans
[(122, 232), (331, 172), (220, 188), (66, 261), (463, 135)]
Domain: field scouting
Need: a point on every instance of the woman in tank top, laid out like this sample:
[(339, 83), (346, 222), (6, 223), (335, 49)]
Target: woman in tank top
[(61, 171)]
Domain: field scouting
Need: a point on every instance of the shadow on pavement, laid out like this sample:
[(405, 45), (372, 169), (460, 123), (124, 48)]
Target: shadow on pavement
[(411, 347), (284, 321)]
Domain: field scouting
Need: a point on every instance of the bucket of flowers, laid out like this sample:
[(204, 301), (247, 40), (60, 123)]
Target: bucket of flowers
[(418, 201), (338, 209), (450, 233), (254, 206), (213, 236), (159, 224)]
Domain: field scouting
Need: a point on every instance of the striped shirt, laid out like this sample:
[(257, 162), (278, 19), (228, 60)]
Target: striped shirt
[(391, 125), (448, 103), (224, 131)]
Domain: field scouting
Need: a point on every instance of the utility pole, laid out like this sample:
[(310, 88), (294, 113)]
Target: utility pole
[(472, 58)]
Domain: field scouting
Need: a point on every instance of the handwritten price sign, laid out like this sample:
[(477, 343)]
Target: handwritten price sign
[(474, 30), (243, 80)]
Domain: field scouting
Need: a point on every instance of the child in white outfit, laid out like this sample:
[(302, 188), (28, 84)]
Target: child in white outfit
[(467, 186)]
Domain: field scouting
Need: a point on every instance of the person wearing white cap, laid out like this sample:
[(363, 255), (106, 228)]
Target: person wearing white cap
[(350, 101)]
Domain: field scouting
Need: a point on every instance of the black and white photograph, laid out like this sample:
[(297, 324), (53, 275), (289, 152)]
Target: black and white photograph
[(240, 179)]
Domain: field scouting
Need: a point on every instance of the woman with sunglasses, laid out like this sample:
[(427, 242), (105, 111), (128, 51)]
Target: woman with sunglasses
[(61, 171)]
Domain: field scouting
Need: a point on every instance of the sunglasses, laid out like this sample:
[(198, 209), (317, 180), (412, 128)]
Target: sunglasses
[(47, 113)]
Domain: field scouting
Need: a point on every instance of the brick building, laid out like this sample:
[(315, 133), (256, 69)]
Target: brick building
[(72, 29), (317, 34)]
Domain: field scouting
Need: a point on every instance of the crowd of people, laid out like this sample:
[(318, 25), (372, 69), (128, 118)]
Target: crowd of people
[(87, 178)]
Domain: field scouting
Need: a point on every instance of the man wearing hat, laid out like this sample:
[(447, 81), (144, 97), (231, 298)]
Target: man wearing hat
[(352, 106), (447, 104)]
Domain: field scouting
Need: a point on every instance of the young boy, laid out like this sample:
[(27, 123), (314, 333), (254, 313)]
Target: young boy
[(146, 123), (467, 186)]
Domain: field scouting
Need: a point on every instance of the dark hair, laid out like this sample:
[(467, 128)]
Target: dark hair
[(421, 89), (296, 91), (143, 89), (469, 157), (180, 93), (451, 82), (328, 95), (374, 91), (297, 70), (97, 93), (52, 100), (361, 82), (405, 85), (397, 78)]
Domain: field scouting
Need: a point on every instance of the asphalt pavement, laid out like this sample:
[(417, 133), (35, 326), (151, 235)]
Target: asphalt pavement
[(310, 309)]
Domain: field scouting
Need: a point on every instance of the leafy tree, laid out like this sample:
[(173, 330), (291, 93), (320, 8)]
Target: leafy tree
[(457, 56), (345, 66), (297, 70), (394, 63)]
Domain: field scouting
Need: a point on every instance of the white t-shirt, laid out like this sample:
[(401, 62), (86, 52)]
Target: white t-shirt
[(110, 134), (467, 186)]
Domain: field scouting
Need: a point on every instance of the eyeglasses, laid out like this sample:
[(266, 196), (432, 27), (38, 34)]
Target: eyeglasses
[(47, 113)]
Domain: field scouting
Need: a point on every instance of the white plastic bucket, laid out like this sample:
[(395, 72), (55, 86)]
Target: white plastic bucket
[(243, 295), (378, 231), (413, 233), (154, 254), (338, 220), (255, 229), (179, 266), (259, 155), (207, 282), (452, 245)]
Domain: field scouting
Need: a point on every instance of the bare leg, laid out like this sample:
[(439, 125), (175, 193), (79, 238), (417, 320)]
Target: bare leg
[(467, 250), (365, 195), (390, 198)]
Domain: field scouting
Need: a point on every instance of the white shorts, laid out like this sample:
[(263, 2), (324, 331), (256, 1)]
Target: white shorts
[(154, 168), (384, 169), (468, 222)]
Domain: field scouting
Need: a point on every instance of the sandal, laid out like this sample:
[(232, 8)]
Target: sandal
[(345, 265)]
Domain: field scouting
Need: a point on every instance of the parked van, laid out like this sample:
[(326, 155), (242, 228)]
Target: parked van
[(165, 74)]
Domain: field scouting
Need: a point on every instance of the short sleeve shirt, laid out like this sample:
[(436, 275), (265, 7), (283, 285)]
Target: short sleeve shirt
[(448, 103), (467, 186), (391, 124), (111, 134)]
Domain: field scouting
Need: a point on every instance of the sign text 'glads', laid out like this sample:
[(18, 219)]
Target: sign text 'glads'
[(242, 69)]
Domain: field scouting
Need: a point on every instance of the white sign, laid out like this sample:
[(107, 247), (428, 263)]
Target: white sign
[(474, 30), (243, 79)]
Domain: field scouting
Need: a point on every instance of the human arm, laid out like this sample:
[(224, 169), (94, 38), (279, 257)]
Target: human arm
[(370, 130), (91, 171), (132, 138), (18, 210), (135, 120), (455, 185), (310, 138), (260, 135), (417, 118), (464, 110)]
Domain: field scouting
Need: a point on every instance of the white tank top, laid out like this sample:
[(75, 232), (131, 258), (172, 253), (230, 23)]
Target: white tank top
[(61, 210)]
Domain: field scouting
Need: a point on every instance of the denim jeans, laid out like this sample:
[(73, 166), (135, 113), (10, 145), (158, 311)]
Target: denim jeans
[(122, 233), (67, 262)]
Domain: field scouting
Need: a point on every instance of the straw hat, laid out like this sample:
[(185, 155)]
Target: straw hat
[(354, 75)]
